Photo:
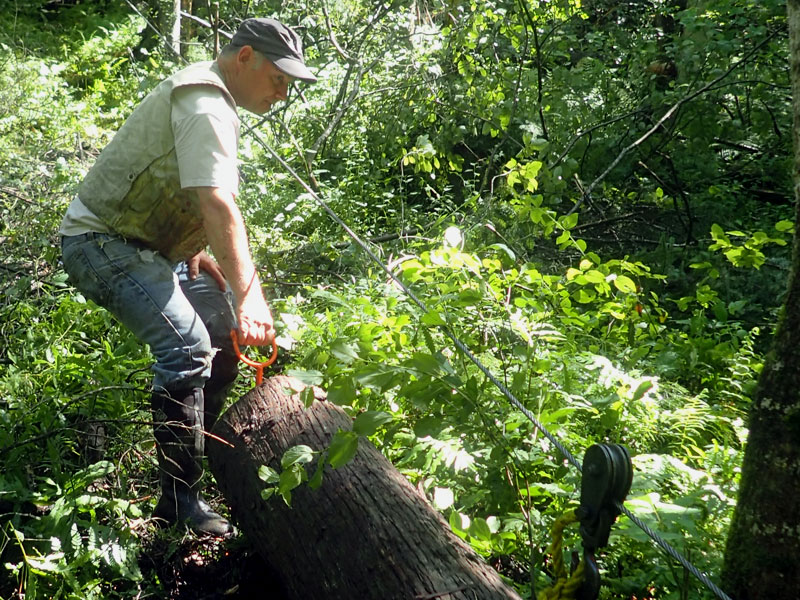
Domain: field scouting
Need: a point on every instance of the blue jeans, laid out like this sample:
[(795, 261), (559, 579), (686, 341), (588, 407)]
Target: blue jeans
[(185, 322)]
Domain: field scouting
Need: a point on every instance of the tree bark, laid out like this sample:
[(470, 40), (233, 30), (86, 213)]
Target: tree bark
[(365, 533), (763, 549)]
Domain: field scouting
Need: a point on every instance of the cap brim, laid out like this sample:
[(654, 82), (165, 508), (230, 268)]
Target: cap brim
[(294, 68)]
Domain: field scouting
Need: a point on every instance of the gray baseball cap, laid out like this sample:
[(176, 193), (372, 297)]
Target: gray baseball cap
[(277, 42)]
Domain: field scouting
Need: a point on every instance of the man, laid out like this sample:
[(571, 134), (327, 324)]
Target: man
[(134, 238)]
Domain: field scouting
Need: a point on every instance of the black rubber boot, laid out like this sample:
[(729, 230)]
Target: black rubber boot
[(178, 429), (224, 369)]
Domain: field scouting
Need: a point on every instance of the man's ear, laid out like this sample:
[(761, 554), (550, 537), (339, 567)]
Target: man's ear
[(245, 55)]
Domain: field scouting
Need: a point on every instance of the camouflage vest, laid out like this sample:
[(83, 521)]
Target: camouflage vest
[(134, 186)]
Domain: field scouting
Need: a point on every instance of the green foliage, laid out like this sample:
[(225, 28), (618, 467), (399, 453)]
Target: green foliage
[(71, 381), (451, 428), (748, 253), (291, 476), (487, 129), (84, 534)]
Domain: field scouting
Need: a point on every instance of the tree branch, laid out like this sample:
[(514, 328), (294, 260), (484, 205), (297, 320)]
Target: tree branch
[(539, 69)]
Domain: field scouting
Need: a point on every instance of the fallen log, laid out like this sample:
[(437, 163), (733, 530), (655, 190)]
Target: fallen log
[(364, 534)]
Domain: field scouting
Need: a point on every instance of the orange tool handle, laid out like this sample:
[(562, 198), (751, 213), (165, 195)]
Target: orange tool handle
[(259, 366)]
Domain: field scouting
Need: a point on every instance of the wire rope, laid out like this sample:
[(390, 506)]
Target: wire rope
[(673, 553)]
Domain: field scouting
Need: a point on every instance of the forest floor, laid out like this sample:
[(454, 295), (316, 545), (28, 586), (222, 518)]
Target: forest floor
[(207, 568)]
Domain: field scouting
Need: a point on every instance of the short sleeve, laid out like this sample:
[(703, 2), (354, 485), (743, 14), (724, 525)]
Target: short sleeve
[(206, 130)]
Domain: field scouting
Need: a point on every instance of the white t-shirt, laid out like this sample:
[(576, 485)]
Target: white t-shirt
[(206, 141)]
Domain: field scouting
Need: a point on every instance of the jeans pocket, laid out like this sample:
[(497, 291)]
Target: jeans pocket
[(82, 274)]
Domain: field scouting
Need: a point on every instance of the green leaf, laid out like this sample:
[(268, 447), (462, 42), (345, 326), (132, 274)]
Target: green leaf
[(625, 284), (307, 377), (469, 297), (316, 478), (505, 249), (307, 396), (268, 474), (720, 311), (367, 423), (479, 529), (459, 523), (90, 474), (297, 454), (642, 389), (594, 276), (425, 363), (289, 480), (569, 221), (333, 298), (433, 317), (784, 226), (342, 391), (343, 448), (344, 352), (428, 426), (421, 392), (376, 376), (51, 563), (701, 265)]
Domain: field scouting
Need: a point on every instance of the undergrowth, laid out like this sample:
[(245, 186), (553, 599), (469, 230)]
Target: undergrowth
[(600, 347)]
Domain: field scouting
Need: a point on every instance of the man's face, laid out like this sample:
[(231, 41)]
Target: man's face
[(262, 85)]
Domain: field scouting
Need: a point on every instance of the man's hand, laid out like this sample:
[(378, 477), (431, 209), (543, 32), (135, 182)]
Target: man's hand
[(255, 321), (203, 261)]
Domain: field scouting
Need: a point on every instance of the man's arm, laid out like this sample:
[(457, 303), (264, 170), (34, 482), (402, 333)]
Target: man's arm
[(224, 227)]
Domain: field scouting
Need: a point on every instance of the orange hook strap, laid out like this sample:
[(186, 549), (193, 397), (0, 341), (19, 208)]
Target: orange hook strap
[(259, 366)]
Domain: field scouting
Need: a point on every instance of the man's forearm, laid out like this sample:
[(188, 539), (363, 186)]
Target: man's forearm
[(227, 237)]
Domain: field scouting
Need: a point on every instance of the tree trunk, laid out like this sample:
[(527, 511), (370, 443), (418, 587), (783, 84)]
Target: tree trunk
[(163, 28), (365, 533), (175, 27), (763, 550)]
